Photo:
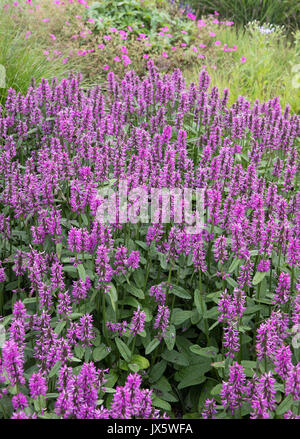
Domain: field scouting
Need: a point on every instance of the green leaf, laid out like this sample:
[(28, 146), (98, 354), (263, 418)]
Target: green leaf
[(180, 292), (151, 346), (123, 349), (176, 357), (160, 403), (81, 272), (100, 352), (285, 405), (133, 367), (216, 390), (208, 352), (79, 351), (179, 316), (137, 292), (197, 300), (234, 265), (157, 371), (58, 249), (170, 337), (139, 278), (258, 277), (60, 326), (231, 282), (142, 362), (218, 364), (191, 381), (112, 292), (55, 369), (248, 364)]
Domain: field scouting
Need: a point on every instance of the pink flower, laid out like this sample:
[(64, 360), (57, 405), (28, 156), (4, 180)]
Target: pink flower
[(234, 48), (106, 67), (117, 59), (201, 23), (212, 34), (107, 37), (148, 44), (201, 56), (91, 20), (195, 49), (165, 55), (184, 32), (123, 49), (101, 46), (145, 56), (113, 29), (46, 20), (174, 48), (214, 67), (82, 34), (65, 60), (78, 17), (53, 37), (183, 44), (218, 43), (243, 59), (202, 45), (130, 29), (28, 33), (229, 23), (216, 13), (215, 21), (191, 16), (67, 23), (46, 52), (126, 60), (169, 35)]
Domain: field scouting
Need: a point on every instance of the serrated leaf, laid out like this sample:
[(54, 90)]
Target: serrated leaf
[(142, 362), (191, 381), (258, 277), (100, 353), (208, 352), (112, 292), (60, 326), (160, 403), (180, 292), (285, 405), (123, 349), (81, 272), (179, 316), (170, 337), (55, 369), (234, 265), (151, 346), (137, 292), (176, 357), (216, 390)]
